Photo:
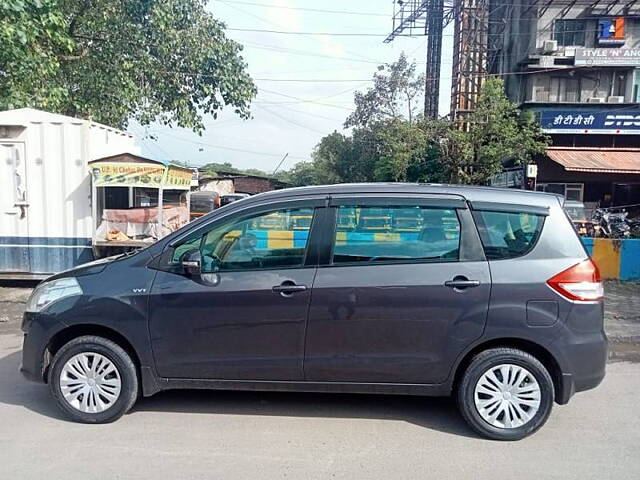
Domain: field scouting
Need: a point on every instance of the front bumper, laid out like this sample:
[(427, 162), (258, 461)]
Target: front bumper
[(38, 330)]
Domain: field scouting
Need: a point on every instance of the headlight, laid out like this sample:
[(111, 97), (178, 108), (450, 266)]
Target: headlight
[(49, 292)]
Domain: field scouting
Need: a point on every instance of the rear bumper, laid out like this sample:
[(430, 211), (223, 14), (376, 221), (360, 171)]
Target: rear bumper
[(584, 360)]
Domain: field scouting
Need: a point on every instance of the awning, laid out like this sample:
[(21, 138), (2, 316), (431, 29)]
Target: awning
[(597, 160)]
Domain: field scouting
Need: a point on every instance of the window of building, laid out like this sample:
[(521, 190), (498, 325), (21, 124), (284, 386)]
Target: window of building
[(569, 33), (565, 89), (571, 191), (407, 233), (508, 235)]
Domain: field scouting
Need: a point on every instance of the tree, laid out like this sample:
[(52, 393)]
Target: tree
[(394, 95), (387, 151), (500, 132), (385, 146), (117, 60), (32, 36), (302, 174)]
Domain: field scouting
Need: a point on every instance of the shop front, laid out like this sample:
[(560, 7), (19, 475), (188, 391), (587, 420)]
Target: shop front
[(136, 201)]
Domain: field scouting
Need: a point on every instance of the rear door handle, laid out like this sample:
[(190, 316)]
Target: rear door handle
[(288, 288), (461, 284)]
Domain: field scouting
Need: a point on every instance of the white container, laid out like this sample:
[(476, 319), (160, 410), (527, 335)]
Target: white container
[(45, 189)]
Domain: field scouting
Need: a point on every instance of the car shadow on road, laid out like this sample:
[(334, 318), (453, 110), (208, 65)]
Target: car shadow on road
[(16, 390), (433, 413)]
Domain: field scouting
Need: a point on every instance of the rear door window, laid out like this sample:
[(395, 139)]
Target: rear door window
[(395, 234), (508, 235)]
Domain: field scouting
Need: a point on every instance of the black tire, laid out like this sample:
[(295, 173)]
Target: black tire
[(113, 352), (480, 364)]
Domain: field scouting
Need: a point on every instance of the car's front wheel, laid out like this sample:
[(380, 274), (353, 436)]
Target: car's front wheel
[(505, 394), (93, 380)]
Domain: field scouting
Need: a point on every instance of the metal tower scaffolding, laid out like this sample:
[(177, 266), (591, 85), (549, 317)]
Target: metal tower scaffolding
[(470, 49), (425, 17)]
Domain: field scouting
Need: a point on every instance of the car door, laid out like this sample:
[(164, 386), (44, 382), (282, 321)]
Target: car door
[(244, 317), (402, 288)]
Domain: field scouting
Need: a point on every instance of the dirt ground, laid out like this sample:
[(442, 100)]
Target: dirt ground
[(622, 316)]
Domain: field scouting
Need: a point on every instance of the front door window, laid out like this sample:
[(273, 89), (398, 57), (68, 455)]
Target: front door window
[(271, 240)]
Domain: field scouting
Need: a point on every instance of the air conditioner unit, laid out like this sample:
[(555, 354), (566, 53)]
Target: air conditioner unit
[(550, 46), (596, 100), (547, 62), (616, 99)]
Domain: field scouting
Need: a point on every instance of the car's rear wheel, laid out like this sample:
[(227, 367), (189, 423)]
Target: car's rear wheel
[(93, 380), (505, 394)]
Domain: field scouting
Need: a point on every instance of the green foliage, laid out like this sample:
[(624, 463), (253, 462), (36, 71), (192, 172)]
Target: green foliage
[(387, 147), (32, 37), (214, 169), (499, 132), (219, 169), (302, 173), (394, 95), (118, 60)]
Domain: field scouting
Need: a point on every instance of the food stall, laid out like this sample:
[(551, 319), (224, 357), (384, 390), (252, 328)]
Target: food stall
[(136, 201)]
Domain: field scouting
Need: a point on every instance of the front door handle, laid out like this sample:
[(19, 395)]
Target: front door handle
[(288, 288), (461, 283)]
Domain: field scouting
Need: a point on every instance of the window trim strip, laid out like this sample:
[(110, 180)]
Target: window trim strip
[(451, 203), (510, 208)]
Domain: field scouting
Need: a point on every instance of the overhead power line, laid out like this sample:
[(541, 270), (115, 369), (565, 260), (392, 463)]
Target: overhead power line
[(365, 34), (277, 25), (311, 80), (232, 149), (327, 34), (316, 10), (303, 100)]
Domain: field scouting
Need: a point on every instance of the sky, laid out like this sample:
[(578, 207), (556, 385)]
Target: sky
[(306, 83)]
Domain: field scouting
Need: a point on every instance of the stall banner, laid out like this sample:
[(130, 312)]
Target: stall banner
[(177, 178), (114, 174)]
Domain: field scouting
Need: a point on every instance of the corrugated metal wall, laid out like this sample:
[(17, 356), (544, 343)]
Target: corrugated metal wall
[(58, 190)]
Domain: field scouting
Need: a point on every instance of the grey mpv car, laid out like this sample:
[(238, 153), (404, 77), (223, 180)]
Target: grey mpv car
[(484, 294)]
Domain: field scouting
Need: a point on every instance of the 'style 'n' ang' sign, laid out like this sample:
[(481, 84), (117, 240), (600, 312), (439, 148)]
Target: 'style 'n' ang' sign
[(611, 57)]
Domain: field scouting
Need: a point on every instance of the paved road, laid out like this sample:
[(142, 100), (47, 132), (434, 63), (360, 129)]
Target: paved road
[(232, 435)]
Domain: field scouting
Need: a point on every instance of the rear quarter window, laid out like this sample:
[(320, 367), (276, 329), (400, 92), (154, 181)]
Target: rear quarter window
[(508, 235)]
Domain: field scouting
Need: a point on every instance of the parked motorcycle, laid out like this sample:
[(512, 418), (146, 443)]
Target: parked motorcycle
[(613, 224)]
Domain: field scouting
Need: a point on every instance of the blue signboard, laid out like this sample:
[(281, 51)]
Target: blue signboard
[(619, 121)]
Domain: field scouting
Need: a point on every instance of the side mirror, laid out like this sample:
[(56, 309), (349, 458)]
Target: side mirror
[(191, 261)]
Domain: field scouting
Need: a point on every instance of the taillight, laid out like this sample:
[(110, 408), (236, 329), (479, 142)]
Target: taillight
[(580, 282)]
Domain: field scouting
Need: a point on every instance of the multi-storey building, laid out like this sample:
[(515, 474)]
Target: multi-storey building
[(576, 64)]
